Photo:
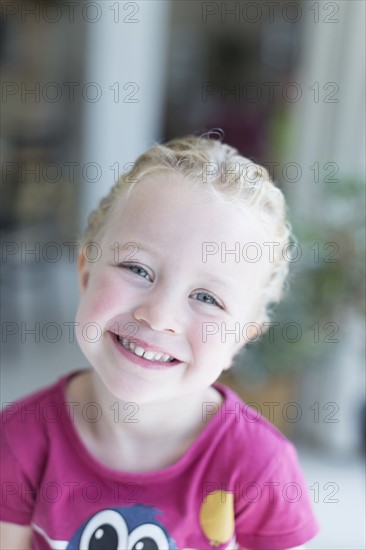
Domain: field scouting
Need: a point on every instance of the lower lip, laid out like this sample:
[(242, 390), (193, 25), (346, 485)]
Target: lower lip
[(140, 361)]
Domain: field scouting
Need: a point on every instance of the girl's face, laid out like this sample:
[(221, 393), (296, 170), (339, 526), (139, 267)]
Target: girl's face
[(180, 283)]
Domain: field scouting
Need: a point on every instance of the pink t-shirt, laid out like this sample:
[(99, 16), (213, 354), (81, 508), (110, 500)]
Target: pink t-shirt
[(239, 484)]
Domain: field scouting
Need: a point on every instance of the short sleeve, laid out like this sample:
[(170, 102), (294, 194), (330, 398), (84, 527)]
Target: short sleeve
[(274, 512), (17, 493)]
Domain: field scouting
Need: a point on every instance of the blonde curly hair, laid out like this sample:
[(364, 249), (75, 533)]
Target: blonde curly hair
[(231, 178)]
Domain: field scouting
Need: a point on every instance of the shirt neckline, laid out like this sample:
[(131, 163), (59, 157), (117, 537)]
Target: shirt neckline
[(77, 444)]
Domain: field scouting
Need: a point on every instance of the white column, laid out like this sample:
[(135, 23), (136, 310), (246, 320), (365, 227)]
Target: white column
[(126, 58), (328, 121)]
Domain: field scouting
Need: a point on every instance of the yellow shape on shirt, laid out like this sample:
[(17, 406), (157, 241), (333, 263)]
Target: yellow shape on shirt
[(217, 517)]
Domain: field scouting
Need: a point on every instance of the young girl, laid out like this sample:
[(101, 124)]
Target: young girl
[(145, 450)]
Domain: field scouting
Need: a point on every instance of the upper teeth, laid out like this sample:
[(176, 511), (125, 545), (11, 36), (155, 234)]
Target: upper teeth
[(149, 355)]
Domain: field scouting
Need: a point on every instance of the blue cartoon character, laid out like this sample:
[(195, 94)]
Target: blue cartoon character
[(129, 528)]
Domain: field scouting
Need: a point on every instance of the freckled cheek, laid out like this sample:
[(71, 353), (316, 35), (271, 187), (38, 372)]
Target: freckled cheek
[(210, 333), (103, 300), (206, 339)]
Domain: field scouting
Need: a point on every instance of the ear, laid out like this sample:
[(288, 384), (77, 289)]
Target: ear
[(227, 367), (83, 272), (253, 331)]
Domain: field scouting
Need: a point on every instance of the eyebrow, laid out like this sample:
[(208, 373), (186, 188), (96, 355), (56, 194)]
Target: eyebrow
[(226, 282), (138, 246)]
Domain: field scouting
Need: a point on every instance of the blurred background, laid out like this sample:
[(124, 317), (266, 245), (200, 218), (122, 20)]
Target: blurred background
[(88, 86)]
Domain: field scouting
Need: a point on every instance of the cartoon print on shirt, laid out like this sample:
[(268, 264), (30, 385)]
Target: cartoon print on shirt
[(216, 517), (136, 528), (131, 528)]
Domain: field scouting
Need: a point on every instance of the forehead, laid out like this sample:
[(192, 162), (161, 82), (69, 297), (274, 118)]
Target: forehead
[(170, 201), (176, 216)]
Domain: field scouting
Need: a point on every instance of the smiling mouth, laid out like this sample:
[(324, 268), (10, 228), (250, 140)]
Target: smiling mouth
[(148, 355)]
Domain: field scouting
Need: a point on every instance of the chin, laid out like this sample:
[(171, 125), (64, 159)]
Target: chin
[(133, 391)]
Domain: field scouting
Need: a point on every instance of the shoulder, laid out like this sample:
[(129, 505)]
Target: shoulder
[(260, 467), (29, 409), (26, 424), (246, 420), (250, 436)]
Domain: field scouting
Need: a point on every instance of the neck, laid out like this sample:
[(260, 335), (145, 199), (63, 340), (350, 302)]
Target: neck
[(153, 421)]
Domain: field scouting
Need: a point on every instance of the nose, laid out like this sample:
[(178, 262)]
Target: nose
[(158, 311)]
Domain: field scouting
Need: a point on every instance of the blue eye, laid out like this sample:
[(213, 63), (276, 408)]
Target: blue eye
[(207, 299), (203, 297), (136, 269)]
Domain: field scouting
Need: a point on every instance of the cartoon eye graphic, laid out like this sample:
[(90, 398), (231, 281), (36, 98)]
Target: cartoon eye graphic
[(107, 529), (148, 537)]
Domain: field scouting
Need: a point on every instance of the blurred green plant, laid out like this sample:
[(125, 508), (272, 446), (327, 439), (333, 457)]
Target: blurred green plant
[(324, 286)]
